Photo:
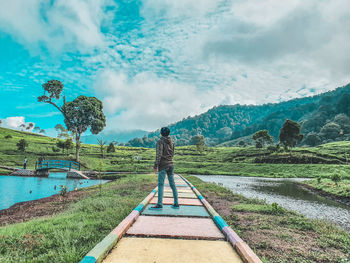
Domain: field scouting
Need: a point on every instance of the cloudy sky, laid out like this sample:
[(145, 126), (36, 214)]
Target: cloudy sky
[(154, 62)]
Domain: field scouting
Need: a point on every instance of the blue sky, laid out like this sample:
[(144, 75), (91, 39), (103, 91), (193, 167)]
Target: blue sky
[(154, 62)]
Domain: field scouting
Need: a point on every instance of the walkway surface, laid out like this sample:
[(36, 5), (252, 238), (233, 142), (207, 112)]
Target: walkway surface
[(162, 235), (192, 233)]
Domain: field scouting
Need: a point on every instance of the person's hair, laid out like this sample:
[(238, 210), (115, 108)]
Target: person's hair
[(165, 131)]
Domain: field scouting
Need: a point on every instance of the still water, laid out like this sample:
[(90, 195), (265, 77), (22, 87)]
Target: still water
[(288, 194), (15, 189)]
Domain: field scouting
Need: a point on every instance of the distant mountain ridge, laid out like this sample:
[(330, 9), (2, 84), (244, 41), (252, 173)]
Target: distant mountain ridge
[(230, 122), (116, 136)]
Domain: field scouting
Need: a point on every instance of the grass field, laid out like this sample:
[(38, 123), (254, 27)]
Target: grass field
[(68, 236), (323, 161), (275, 234)]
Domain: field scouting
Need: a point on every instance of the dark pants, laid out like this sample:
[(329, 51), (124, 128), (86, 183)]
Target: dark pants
[(24, 166), (161, 176)]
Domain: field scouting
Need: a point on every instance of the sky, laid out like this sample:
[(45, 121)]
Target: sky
[(155, 62)]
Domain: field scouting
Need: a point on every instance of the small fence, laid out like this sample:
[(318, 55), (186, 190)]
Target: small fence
[(57, 164)]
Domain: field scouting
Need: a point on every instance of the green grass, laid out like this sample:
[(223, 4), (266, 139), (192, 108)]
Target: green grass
[(238, 161), (341, 189), (68, 236), (276, 234)]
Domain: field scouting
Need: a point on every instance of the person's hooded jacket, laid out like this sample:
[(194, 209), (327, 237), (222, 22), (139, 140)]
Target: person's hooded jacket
[(164, 154)]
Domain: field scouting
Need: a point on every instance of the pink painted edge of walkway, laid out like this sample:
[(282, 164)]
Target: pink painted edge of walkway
[(101, 249), (237, 243)]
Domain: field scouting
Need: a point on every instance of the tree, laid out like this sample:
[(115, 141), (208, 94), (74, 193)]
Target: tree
[(290, 134), (101, 143), (344, 121), (312, 139), (68, 144), (241, 143), (330, 131), (261, 137), (53, 88), (62, 131), (22, 145), (37, 128), (198, 140), (42, 131), (0, 122), (60, 144), (79, 114), (224, 133), (22, 126), (111, 148), (343, 105), (30, 126)]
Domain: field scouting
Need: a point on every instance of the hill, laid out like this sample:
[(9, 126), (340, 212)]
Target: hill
[(113, 136), (324, 117), (322, 160)]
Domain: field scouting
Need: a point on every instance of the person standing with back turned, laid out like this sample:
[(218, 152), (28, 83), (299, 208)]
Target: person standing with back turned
[(164, 165)]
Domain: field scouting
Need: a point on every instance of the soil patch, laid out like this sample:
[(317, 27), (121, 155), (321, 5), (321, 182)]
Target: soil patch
[(54, 204), (274, 237)]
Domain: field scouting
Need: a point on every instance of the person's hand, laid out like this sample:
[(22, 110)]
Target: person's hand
[(155, 170)]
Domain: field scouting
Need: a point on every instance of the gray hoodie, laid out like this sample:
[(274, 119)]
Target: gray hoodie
[(164, 154)]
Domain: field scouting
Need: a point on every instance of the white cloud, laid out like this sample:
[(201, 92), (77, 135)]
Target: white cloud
[(16, 122), (75, 25), (170, 8), (147, 102)]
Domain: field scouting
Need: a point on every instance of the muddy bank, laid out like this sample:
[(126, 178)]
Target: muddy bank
[(24, 211), (337, 198)]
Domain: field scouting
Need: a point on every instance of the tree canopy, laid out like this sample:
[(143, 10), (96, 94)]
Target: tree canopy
[(261, 137), (290, 134), (81, 114)]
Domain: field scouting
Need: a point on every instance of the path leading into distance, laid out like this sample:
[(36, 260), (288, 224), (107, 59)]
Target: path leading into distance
[(193, 233)]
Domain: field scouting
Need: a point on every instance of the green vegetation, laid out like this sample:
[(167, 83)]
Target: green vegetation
[(22, 145), (321, 161), (68, 236), (340, 188), (261, 138), (79, 115), (326, 116), (290, 134), (275, 234)]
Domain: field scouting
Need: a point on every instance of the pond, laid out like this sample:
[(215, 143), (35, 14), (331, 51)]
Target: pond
[(15, 189), (288, 194)]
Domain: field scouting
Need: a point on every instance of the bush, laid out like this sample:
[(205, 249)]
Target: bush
[(111, 148), (8, 136), (22, 145), (55, 149), (336, 178)]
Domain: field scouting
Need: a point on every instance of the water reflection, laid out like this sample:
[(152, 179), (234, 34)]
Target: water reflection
[(288, 194), (14, 189)]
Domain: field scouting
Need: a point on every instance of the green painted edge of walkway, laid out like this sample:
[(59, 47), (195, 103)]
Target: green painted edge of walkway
[(100, 251), (237, 243)]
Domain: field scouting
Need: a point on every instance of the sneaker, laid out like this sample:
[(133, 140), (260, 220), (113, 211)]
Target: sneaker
[(156, 207), (175, 206)]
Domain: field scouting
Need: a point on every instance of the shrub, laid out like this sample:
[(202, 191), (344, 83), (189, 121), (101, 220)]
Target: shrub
[(55, 149), (63, 191), (111, 148), (22, 145), (8, 136), (336, 178), (276, 209)]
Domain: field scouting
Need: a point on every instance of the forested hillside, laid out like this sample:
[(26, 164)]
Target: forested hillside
[(324, 118)]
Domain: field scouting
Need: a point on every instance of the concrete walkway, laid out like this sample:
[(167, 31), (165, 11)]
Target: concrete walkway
[(193, 233)]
